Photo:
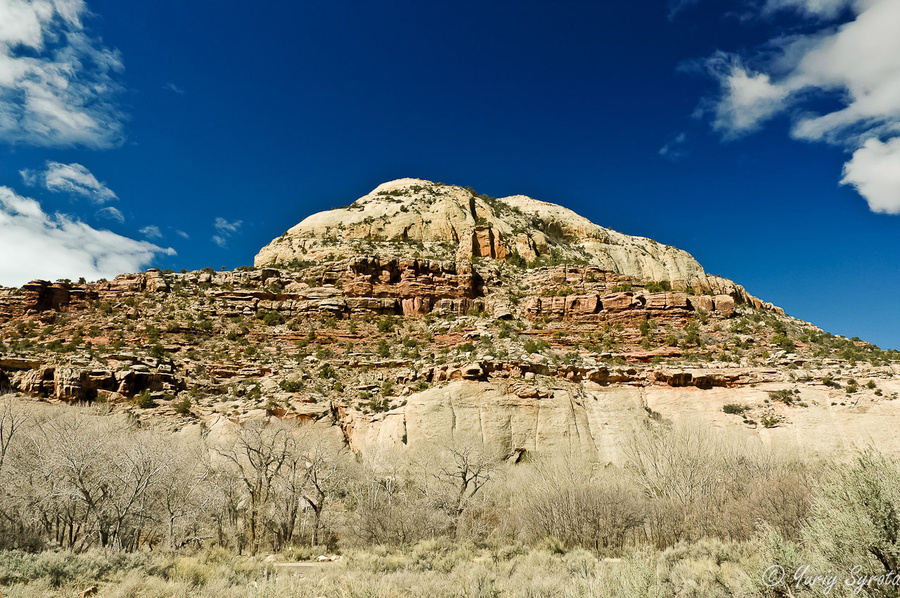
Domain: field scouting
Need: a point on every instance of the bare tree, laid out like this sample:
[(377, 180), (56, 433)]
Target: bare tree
[(388, 502), (323, 478), (12, 523), (454, 475), (108, 470), (257, 456), (179, 489), (11, 421)]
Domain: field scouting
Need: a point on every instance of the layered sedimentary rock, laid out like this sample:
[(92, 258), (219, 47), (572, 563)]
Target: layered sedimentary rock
[(413, 215), (425, 314)]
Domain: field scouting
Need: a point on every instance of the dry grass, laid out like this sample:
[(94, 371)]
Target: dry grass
[(431, 569)]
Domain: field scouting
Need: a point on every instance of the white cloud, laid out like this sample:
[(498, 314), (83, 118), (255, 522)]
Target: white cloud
[(151, 232), (854, 65), (112, 213), (827, 9), (59, 246), (74, 179), (874, 171), (225, 229), (182, 234), (57, 85), (747, 98)]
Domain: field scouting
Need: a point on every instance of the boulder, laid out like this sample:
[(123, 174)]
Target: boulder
[(724, 305), (473, 371)]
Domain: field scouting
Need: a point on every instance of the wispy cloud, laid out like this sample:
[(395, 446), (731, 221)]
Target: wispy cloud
[(676, 6), (854, 65), (173, 88), (674, 149), (825, 9), (60, 246), (224, 230), (57, 83), (111, 213), (151, 232), (225, 227), (73, 179)]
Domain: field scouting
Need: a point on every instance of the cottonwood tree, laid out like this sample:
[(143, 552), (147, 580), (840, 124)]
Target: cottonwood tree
[(95, 465), (180, 492), (323, 477), (453, 475), (11, 421), (283, 471), (256, 457), (387, 505)]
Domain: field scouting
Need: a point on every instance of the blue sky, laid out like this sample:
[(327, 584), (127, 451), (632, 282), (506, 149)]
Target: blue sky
[(761, 136)]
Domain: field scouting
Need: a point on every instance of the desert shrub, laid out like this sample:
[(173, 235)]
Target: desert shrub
[(658, 286), (145, 400), (270, 317), (290, 385), (534, 346), (735, 409), (378, 404), (64, 567), (784, 343), (183, 405), (692, 335), (855, 519), (770, 421), (786, 396), (387, 324)]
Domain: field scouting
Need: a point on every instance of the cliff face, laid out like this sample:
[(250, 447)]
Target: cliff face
[(449, 222), (428, 314)]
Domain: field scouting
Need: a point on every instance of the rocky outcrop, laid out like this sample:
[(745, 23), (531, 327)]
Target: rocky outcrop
[(487, 242), (74, 384), (40, 296), (661, 307), (416, 216)]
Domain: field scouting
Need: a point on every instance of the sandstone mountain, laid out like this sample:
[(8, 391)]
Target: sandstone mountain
[(413, 217), (425, 313)]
